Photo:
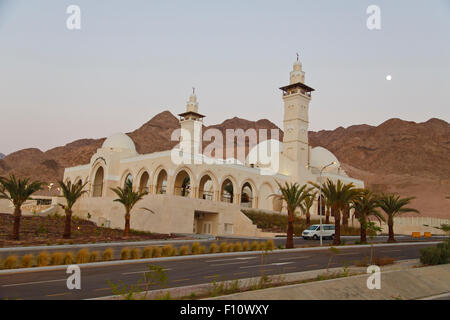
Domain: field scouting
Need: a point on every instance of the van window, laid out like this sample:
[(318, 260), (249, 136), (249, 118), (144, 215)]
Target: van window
[(312, 228)]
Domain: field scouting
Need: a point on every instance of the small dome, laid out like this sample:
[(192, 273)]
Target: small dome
[(321, 157), (119, 141)]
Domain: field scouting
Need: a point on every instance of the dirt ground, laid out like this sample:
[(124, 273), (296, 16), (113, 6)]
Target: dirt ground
[(48, 230)]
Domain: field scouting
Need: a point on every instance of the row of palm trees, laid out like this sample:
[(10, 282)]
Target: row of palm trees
[(339, 199), (18, 191)]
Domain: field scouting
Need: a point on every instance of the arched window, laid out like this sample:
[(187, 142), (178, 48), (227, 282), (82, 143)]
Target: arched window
[(227, 191), (247, 196), (98, 183), (206, 188), (182, 184), (143, 184), (161, 183), (128, 179)]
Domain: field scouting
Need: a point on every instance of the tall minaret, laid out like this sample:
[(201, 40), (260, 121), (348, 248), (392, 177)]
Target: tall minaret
[(296, 97), (191, 126)]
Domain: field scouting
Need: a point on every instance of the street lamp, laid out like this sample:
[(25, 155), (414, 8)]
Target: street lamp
[(320, 196)]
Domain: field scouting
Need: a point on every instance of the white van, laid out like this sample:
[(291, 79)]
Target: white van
[(313, 232)]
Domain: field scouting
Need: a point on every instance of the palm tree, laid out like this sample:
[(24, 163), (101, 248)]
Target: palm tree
[(340, 196), (128, 198), (71, 192), (18, 191), (325, 197), (365, 206), (293, 195), (394, 206), (306, 206)]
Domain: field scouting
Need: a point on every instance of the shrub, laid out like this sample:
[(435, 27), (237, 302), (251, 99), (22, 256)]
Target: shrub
[(27, 261), (125, 254), (108, 254), (69, 258), (262, 246), (195, 249), (184, 250), (237, 247), (10, 262), (157, 252), (57, 258), (168, 251), (135, 253), (230, 247), (83, 256), (147, 252), (382, 261), (43, 259), (94, 256), (270, 245), (245, 246), (213, 248), (436, 255), (254, 246), (223, 247), (202, 250)]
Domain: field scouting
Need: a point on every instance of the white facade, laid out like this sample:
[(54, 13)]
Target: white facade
[(198, 197)]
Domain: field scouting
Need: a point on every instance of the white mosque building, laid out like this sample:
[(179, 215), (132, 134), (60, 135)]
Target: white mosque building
[(204, 197)]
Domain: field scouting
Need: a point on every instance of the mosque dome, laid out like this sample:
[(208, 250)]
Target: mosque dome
[(266, 154), (321, 157), (119, 141)]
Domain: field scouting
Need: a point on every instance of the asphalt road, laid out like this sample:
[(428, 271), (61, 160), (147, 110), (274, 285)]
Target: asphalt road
[(95, 280), (117, 247)]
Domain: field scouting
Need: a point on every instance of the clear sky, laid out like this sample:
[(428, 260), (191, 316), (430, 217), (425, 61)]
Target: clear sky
[(133, 59)]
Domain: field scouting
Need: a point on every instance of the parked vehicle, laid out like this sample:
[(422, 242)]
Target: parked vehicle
[(313, 232)]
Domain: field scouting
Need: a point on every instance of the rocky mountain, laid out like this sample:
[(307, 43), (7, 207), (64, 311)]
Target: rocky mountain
[(397, 156)]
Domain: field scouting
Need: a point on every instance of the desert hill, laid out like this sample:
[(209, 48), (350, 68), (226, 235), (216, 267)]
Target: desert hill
[(396, 156)]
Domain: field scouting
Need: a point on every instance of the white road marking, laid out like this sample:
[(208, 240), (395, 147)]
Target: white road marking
[(144, 271), (294, 258), (267, 265), (226, 264), (29, 283), (220, 260)]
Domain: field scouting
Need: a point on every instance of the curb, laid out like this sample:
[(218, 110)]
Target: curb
[(101, 244), (200, 256)]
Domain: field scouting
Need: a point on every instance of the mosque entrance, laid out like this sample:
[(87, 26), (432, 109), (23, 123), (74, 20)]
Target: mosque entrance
[(205, 222)]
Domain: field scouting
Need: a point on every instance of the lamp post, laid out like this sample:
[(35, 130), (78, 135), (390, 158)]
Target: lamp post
[(320, 196)]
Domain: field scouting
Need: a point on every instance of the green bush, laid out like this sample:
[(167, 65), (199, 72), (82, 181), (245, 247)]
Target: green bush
[(135, 253), (223, 247), (43, 259), (147, 253), (83, 256), (69, 258), (254, 246), (195, 249), (157, 251), (94, 256), (57, 258), (245, 246), (436, 255), (27, 261), (213, 248), (237, 247), (125, 254), (10, 262), (184, 250), (168, 251), (202, 250), (270, 245), (230, 247), (108, 254)]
